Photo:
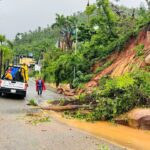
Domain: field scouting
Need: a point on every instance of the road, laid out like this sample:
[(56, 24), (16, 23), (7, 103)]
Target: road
[(17, 134)]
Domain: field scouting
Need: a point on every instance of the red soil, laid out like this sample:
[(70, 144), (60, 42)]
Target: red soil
[(126, 60)]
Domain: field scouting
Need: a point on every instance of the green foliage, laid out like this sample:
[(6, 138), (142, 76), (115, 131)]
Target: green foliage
[(121, 94), (37, 119), (85, 32), (118, 83), (118, 95), (81, 78), (104, 147), (90, 9), (82, 97), (139, 50), (32, 103), (62, 69), (115, 26), (41, 120), (36, 41), (6, 53), (142, 80), (107, 64), (33, 73), (79, 115)]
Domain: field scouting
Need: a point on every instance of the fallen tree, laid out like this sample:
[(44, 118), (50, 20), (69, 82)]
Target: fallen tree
[(63, 108)]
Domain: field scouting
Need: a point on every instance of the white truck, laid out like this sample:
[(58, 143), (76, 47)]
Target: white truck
[(14, 86)]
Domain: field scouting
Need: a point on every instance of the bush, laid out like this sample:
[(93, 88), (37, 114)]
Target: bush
[(118, 95), (107, 64), (139, 50), (32, 102), (81, 78), (121, 94)]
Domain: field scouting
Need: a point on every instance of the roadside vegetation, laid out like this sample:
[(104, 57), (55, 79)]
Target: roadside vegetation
[(115, 96)]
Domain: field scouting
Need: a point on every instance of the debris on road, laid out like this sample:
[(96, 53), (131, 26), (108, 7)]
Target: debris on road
[(37, 118)]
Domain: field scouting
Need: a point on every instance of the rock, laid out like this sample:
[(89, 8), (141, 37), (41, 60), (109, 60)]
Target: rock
[(60, 90), (147, 60), (139, 118), (145, 123), (122, 121), (92, 84), (69, 93)]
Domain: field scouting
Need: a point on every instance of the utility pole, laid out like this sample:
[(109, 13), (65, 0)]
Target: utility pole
[(75, 52), (76, 40), (88, 4)]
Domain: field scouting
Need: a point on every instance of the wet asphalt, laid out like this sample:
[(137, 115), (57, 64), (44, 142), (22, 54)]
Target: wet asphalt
[(17, 134)]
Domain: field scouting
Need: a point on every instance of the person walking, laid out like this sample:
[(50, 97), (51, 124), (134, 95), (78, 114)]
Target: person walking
[(40, 86)]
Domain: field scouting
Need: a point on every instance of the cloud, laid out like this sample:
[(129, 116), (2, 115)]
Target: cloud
[(24, 15)]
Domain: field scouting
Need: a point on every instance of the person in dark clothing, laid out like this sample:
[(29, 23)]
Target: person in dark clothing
[(40, 86)]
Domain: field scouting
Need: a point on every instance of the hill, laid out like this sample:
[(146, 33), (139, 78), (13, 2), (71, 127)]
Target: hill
[(135, 55)]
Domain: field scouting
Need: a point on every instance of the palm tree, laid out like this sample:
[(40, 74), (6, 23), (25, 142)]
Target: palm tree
[(2, 39), (4, 49), (60, 21), (66, 26)]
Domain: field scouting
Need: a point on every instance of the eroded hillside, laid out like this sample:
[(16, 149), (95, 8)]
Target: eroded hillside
[(127, 59)]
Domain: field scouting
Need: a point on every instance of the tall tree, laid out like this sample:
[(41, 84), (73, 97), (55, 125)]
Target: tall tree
[(4, 51), (66, 26), (2, 39)]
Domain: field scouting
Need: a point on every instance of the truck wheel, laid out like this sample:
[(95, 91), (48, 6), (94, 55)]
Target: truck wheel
[(23, 96)]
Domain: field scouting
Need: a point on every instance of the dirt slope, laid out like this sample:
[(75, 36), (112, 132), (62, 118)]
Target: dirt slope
[(125, 60)]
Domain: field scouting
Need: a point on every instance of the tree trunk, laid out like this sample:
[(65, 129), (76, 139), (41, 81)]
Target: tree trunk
[(68, 41), (4, 66), (63, 108)]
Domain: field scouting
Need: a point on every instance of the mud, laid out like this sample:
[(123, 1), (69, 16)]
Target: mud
[(128, 137)]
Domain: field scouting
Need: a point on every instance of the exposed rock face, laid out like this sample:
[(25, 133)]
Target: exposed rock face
[(139, 118), (125, 60)]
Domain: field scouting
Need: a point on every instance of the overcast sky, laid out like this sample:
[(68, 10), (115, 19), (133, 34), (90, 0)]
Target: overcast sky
[(24, 15)]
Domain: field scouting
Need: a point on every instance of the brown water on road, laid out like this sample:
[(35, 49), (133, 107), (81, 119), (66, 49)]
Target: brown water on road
[(125, 136)]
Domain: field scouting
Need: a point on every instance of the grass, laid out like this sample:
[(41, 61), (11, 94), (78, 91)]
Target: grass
[(32, 103), (103, 147), (37, 118), (41, 120)]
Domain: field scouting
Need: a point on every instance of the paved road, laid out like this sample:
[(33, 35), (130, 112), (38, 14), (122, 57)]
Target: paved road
[(16, 134)]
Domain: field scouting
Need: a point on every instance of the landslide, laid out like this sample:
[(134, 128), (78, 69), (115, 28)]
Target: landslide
[(125, 60)]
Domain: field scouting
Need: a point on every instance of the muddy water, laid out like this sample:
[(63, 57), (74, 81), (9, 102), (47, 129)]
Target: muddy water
[(125, 136)]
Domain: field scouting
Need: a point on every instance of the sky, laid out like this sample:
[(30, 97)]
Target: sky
[(24, 15)]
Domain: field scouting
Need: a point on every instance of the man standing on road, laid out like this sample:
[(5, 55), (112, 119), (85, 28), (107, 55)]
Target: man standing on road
[(40, 86)]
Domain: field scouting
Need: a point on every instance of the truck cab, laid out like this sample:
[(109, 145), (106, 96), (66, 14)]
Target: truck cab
[(16, 83)]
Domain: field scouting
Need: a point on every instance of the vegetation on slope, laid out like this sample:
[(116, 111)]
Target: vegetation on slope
[(106, 28)]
